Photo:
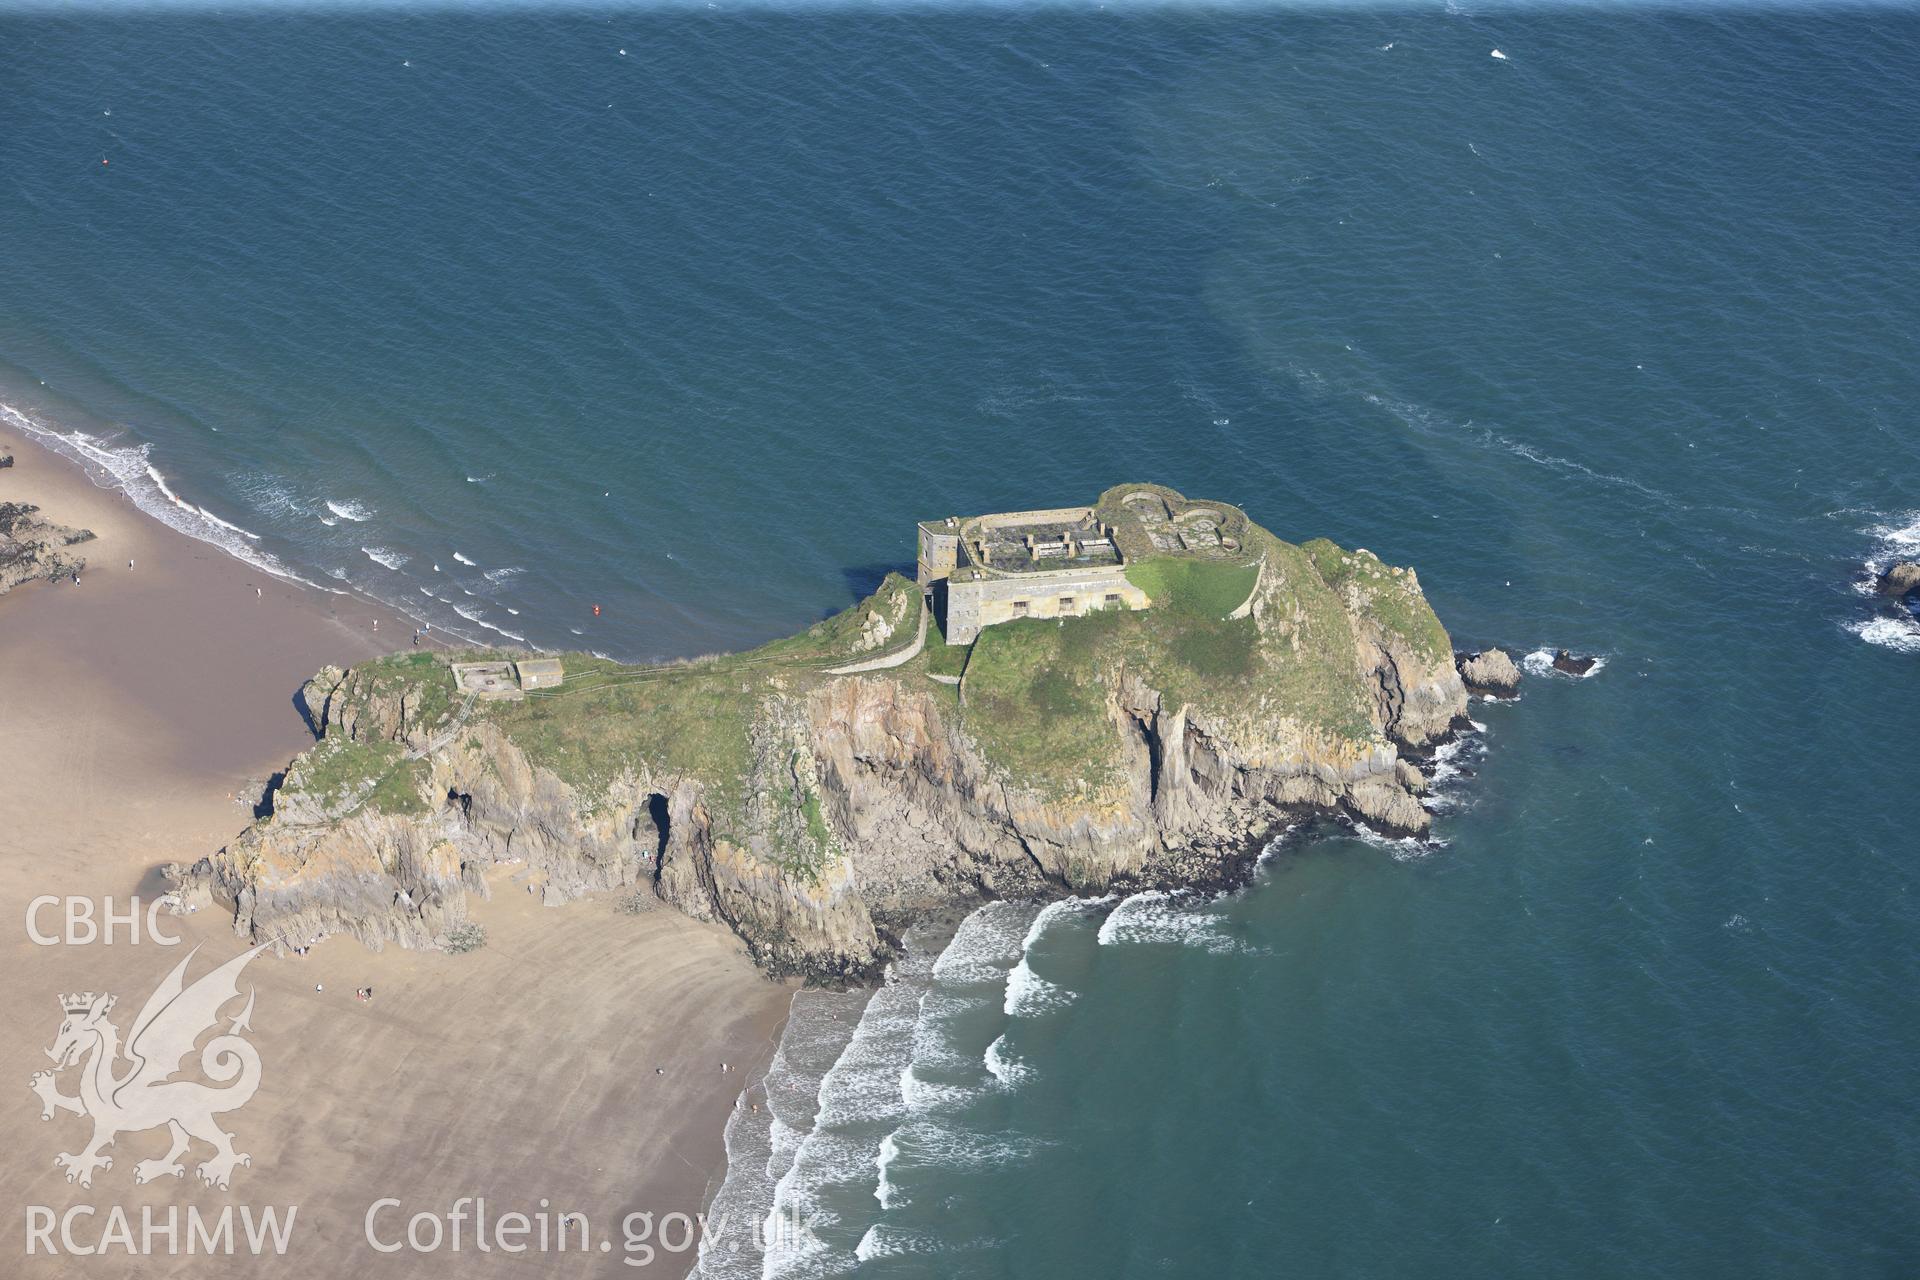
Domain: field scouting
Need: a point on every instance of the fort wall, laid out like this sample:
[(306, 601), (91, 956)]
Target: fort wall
[(984, 602)]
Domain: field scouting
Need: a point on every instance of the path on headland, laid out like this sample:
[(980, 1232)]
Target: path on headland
[(885, 661)]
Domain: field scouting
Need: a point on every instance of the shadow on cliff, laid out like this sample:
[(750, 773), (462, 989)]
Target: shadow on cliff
[(864, 579)]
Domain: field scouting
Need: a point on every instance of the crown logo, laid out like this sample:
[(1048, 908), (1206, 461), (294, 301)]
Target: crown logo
[(81, 1001)]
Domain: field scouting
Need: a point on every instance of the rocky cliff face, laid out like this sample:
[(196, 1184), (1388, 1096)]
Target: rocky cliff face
[(824, 812)]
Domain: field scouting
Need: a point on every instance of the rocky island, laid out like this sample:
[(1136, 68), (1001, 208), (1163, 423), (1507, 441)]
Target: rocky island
[(1151, 687)]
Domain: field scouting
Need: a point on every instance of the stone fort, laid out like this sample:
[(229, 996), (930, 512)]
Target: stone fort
[(1064, 561)]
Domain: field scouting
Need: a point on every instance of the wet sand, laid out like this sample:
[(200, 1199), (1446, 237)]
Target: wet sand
[(576, 1058)]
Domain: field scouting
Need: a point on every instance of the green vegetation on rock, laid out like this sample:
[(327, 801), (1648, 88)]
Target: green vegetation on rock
[(941, 658), (1391, 596), (608, 719), (1035, 702), (688, 718), (1040, 699), (418, 680), (1195, 588), (341, 776)]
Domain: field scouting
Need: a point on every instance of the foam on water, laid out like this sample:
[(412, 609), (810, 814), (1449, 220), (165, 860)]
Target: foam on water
[(1540, 663), (761, 1146), (1444, 789), (853, 1090), (880, 1242), (1029, 995), (1893, 626), (1010, 1071), (986, 945), (1898, 537), (1177, 917), (859, 1104), (126, 468), (1403, 848), (354, 511), (386, 557), (479, 619), (1900, 634)]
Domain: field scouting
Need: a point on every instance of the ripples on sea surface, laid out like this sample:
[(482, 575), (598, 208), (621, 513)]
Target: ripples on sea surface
[(1610, 338)]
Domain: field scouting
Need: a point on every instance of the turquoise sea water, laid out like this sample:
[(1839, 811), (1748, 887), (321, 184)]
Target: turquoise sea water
[(1612, 338)]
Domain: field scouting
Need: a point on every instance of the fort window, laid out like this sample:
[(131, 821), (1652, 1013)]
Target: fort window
[(1113, 600), (1066, 604), (1019, 608)]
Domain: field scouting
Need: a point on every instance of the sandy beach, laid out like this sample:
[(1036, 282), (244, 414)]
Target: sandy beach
[(576, 1059)]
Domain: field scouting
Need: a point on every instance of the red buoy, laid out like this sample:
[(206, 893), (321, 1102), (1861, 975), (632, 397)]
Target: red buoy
[(596, 611)]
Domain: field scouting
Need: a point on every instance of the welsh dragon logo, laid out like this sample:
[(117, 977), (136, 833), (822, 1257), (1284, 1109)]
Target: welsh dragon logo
[(139, 1095)]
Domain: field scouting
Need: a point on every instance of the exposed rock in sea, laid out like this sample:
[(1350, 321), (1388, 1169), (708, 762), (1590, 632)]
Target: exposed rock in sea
[(1490, 672), (1901, 579), (1572, 664), (33, 549), (819, 815)]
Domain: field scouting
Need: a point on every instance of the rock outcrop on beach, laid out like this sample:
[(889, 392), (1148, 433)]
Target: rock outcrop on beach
[(1490, 673), (33, 549), (1901, 579), (818, 815)]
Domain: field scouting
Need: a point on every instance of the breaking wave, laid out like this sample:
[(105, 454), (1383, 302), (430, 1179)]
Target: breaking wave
[(386, 557), (1175, 917), (127, 469), (1896, 627), (1899, 634), (1540, 663)]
